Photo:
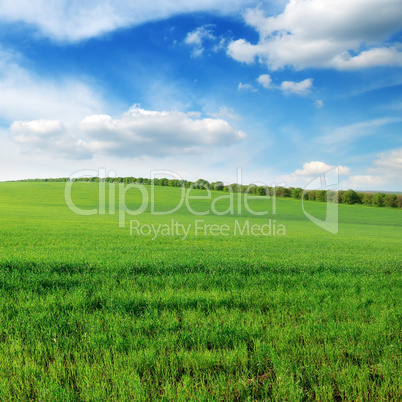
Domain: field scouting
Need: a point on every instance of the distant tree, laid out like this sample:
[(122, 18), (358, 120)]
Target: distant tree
[(201, 184), (332, 196), (251, 189), (391, 201), (321, 196), (234, 187), (287, 192), (311, 195), (280, 191), (360, 195), (399, 201), (378, 199), (261, 190), (367, 199), (340, 195), (350, 197), (218, 185), (297, 193)]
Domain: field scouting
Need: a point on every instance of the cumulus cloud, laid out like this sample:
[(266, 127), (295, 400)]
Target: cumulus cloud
[(243, 51), (298, 88), (75, 20), (317, 168), (287, 87), (48, 136), (312, 172), (380, 57), (386, 172), (137, 132), (339, 34), (389, 162), (265, 80)]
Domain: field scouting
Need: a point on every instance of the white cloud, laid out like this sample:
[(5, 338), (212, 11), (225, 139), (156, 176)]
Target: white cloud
[(202, 35), (319, 103), (364, 182), (138, 132), (225, 113), (75, 20), (25, 96), (197, 38), (298, 88), (385, 56), (339, 34), (48, 136), (313, 170), (386, 173), (44, 128), (243, 51), (346, 135), (287, 87), (246, 87), (265, 80), (389, 163), (219, 45), (317, 168)]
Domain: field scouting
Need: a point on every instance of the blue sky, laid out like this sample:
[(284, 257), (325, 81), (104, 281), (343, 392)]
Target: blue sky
[(284, 90)]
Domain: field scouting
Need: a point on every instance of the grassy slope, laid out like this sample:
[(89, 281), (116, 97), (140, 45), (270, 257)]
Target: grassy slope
[(89, 312)]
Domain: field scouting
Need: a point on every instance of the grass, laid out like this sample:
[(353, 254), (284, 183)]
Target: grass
[(90, 313)]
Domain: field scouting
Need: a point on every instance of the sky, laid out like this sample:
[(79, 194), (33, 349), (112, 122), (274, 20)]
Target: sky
[(283, 90)]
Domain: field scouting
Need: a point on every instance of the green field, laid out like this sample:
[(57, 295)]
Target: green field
[(90, 312)]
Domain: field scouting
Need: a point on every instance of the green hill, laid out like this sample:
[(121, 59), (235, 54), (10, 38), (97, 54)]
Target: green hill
[(117, 306)]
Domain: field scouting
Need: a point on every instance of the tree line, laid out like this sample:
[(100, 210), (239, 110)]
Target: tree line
[(343, 197)]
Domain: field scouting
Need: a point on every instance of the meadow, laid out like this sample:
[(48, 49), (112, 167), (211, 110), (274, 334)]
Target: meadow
[(90, 312)]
